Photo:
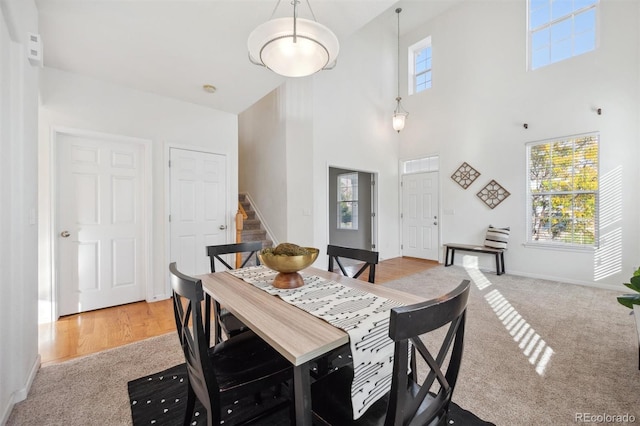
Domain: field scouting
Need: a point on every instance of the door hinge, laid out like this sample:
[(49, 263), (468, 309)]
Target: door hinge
[(169, 218), (169, 163), (401, 215), (373, 246), (401, 246), (373, 214)]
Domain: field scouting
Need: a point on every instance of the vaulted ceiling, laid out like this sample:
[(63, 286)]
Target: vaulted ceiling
[(174, 47)]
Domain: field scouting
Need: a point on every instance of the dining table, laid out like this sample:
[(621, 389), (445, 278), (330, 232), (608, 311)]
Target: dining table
[(296, 334)]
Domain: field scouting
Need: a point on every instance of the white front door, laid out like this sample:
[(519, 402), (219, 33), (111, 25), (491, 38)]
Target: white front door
[(420, 215), (101, 231), (198, 207)]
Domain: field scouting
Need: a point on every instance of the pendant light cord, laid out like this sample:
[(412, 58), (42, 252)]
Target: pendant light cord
[(274, 10), (398, 10), (294, 3)]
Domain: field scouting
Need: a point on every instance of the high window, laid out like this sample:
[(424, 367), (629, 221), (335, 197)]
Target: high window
[(560, 29), (562, 191), (348, 201), (420, 66)]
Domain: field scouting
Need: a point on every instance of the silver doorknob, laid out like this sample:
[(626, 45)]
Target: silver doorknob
[(64, 234), (223, 227)]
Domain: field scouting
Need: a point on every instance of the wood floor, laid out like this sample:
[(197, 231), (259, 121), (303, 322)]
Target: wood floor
[(89, 332)]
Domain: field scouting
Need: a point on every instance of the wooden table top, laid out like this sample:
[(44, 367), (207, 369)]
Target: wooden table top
[(297, 335)]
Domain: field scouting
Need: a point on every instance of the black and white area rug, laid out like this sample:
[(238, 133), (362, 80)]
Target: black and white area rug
[(159, 399)]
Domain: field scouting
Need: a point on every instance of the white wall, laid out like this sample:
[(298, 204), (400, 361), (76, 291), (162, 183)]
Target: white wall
[(353, 105), (78, 102), (262, 155), (335, 118), (300, 160), (18, 194), (481, 96)]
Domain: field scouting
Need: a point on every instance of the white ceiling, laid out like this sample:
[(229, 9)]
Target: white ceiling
[(173, 47)]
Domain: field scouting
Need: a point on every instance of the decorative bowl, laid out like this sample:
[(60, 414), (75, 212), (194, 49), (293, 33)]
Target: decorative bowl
[(288, 266)]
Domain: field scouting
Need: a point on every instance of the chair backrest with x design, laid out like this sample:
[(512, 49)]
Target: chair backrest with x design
[(422, 404), (187, 308), (216, 253), (370, 259)]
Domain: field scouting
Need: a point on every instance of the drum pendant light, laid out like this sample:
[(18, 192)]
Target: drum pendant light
[(293, 47)]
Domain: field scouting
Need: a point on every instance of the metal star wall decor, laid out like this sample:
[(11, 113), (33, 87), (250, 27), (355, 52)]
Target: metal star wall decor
[(493, 194), (465, 175)]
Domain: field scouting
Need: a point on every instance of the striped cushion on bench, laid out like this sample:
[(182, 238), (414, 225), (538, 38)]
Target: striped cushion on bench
[(497, 237)]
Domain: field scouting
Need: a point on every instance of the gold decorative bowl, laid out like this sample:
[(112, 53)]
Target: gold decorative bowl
[(288, 267)]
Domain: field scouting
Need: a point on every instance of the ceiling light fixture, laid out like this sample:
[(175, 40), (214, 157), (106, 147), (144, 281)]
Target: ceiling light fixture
[(399, 114), (209, 88), (293, 47)]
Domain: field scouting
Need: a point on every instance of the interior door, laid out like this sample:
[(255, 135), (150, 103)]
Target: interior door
[(101, 244), (420, 229), (198, 207), (358, 233)]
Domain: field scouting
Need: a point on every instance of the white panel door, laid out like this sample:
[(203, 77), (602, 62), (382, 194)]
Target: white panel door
[(101, 244), (198, 207), (420, 215)]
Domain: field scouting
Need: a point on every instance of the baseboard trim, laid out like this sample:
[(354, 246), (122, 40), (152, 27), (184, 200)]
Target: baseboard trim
[(21, 394), (159, 297), (568, 281)]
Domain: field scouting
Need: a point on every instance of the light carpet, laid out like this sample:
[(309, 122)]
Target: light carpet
[(92, 390), (536, 353), (541, 352)]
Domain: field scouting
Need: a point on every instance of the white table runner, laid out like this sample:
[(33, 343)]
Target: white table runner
[(364, 316)]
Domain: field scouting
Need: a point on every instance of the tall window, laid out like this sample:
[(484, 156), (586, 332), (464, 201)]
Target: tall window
[(563, 191), (560, 29), (348, 201), (420, 66)]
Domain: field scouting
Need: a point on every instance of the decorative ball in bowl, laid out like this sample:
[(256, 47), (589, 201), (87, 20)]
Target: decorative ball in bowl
[(288, 259)]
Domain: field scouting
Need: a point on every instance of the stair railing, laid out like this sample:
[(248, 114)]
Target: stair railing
[(241, 216)]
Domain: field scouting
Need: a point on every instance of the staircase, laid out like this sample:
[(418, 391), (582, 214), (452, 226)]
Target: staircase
[(252, 230)]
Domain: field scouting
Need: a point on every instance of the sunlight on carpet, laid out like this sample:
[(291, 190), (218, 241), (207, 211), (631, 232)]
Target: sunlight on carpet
[(531, 344)]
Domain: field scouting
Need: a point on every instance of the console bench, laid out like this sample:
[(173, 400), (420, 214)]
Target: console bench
[(497, 252)]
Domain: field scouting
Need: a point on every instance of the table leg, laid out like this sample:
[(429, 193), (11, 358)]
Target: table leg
[(302, 394)]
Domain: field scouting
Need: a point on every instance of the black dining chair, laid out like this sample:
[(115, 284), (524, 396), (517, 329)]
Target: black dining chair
[(238, 369), (224, 321), (410, 401), (370, 259)]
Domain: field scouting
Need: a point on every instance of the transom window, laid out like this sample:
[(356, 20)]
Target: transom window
[(560, 29), (420, 66), (563, 191), (348, 201), (419, 165)]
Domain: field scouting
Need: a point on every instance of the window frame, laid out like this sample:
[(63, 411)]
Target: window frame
[(430, 163), (554, 21), (529, 240), (353, 201), (412, 52)]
